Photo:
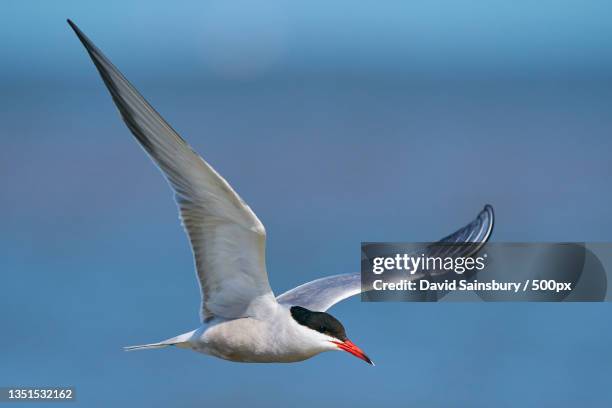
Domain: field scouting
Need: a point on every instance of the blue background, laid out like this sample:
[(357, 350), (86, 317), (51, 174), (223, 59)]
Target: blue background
[(338, 122)]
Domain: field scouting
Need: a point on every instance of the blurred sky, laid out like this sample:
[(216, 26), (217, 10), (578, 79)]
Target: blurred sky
[(338, 122)]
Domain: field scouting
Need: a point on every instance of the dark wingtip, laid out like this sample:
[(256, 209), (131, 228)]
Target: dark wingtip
[(489, 209), (72, 25), (82, 37)]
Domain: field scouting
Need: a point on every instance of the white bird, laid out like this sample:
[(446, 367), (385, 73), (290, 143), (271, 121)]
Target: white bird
[(242, 320)]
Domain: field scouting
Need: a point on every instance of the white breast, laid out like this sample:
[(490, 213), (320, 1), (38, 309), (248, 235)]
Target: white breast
[(277, 338)]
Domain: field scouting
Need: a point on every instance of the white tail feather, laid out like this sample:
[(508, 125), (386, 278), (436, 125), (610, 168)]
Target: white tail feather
[(181, 341), (146, 346)]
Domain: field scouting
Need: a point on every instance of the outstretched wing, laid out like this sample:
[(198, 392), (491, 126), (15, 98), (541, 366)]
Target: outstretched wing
[(227, 238), (321, 294)]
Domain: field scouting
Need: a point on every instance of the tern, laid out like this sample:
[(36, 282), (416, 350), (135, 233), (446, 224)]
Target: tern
[(242, 319)]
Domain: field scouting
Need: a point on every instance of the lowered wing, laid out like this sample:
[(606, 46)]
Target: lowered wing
[(321, 294)]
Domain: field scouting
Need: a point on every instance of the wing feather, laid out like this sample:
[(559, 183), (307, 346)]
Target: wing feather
[(321, 294), (227, 238)]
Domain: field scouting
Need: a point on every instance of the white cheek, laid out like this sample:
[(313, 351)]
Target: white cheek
[(321, 341), (330, 343)]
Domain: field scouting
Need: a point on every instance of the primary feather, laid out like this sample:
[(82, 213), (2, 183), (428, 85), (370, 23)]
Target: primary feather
[(227, 238)]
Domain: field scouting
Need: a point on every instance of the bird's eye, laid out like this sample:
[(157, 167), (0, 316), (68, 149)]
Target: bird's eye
[(322, 329)]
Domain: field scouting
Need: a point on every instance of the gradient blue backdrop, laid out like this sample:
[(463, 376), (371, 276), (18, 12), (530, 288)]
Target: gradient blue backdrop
[(338, 122)]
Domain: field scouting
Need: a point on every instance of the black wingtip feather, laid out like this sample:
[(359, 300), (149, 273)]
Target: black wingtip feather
[(489, 209), (74, 27), (82, 37), (105, 68)]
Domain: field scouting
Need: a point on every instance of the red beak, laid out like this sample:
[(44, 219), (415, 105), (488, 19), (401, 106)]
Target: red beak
[(350, 347)]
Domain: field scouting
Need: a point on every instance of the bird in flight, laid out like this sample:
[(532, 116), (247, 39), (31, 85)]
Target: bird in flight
[(242, 319)]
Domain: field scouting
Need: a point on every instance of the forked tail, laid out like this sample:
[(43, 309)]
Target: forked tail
[(181, 341), (146, 346)]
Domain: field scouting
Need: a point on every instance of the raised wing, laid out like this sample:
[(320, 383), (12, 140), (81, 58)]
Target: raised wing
[(321, 294), (227, 238)]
